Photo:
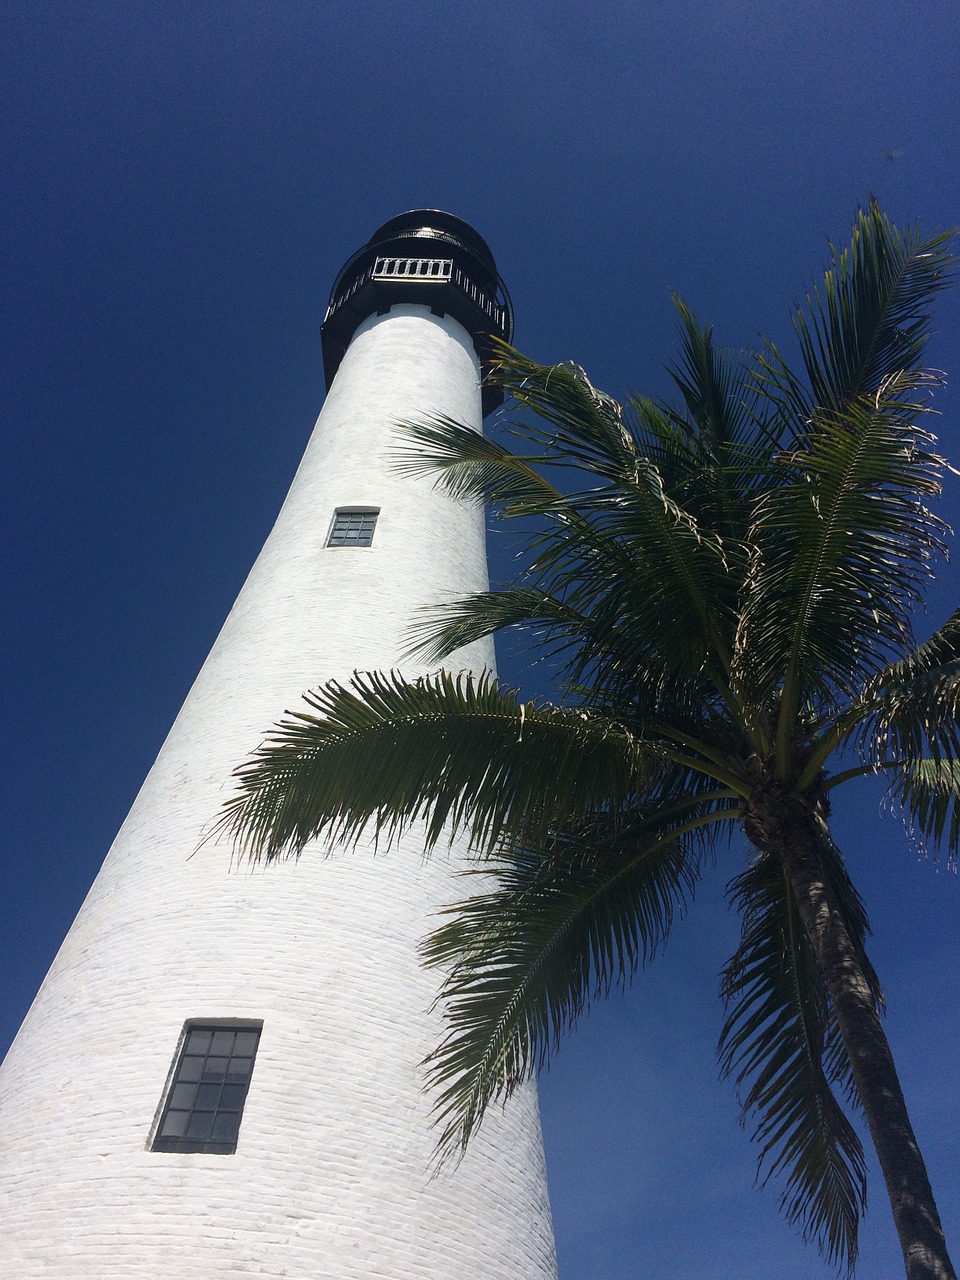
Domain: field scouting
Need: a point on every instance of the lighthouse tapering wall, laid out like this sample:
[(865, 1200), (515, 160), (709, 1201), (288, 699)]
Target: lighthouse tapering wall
[(332, 1174)]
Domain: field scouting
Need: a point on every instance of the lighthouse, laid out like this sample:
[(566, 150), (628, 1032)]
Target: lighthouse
[(221, 1074)]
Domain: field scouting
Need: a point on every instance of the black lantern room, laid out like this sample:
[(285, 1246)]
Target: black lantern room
[(427, 257)]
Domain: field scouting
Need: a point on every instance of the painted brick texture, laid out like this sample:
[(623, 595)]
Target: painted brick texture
[(332, 1177)]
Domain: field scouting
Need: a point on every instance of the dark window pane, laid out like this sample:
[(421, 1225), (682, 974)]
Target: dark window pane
[(208, 1095), (190, 1069), (239, 1070), (183, 1095), (246, 1043), (175, 1124), (223, 1042), (200, 1126), (198, 1041), (226, 1127), (216, 1068), (233, 1096)]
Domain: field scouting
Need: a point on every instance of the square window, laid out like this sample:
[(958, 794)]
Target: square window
[(352, 528), (205, 1117)]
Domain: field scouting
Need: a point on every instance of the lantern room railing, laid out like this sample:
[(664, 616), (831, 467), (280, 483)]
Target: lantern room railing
[(429, 271)]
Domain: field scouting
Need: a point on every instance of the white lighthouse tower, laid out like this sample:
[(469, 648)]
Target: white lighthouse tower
[(220, 1075)]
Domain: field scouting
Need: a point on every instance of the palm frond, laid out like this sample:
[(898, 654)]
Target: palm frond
[(869, 322), (453, 752), (556, 625), (467, 464), (560, 926), (648, 560), (912, 707), (843, 548), (576, 425), (928, 794), (782, 1046), (716, 389), (627, 558)]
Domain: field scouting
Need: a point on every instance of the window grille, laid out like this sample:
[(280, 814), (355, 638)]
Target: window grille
[(413, 269), (204, 1103), (353, 529)]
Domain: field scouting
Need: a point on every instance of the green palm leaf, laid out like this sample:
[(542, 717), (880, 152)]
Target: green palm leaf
[(456, 753), (928, 793), (555, 624), (584, 427), (641, 560), (715, 390), (870, 322), (561, 926), (781, 1044), (842, 549), (469, 465), (912, 707)]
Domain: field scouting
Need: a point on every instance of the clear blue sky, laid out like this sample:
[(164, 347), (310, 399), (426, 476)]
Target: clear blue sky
[(183, 181)]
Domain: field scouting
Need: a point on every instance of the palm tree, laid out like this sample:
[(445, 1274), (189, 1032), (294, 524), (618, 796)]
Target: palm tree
[(727, 588)]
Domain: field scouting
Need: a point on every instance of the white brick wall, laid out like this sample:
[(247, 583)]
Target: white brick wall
[(331, 1177)]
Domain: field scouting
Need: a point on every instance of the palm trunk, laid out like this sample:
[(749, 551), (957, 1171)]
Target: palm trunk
[(793, 832)]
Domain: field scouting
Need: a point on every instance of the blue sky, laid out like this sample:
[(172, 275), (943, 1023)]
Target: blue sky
[(183, 183)]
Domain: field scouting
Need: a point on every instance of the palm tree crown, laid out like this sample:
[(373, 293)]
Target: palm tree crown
[(728, 590)]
